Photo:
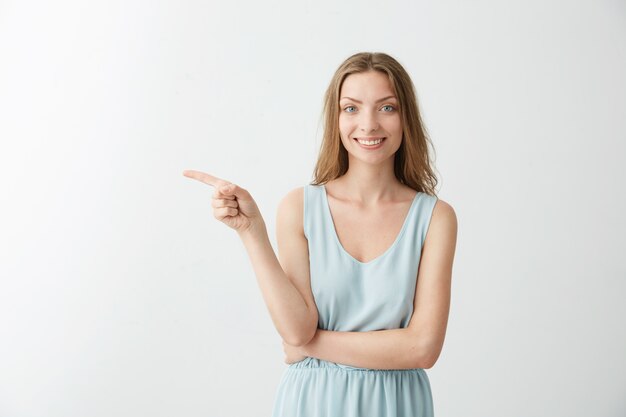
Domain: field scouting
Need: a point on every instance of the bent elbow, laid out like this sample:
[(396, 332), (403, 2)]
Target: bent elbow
[(429, 359), (293, 340), (426, 357), (299, 339), (422, 362), (302, 337), (428, 363)]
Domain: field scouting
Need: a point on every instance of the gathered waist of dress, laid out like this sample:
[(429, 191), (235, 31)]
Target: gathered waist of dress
[(314, 363)]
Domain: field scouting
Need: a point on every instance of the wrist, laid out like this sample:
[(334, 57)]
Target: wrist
[(254, 231)]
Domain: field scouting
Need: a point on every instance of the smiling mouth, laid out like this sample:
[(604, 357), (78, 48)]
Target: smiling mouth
[(370, 142)]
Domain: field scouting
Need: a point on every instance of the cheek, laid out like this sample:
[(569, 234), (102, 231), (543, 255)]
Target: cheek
[(396, 122), (396, 128), (342, 123), (344, 127)]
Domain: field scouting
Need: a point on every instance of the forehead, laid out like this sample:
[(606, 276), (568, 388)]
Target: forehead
[(366, 85)]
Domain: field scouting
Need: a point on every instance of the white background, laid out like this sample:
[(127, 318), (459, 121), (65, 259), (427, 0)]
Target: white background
[(121, 295)]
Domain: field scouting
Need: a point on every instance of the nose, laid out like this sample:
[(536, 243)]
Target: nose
[(369, 123)]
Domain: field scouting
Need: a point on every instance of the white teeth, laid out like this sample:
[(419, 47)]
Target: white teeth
[(368, 142)]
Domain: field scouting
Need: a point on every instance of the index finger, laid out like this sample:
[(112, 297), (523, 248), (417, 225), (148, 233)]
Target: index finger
[(204, 177)]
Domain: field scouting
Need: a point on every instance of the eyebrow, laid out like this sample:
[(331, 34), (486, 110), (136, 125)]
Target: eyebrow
[(360, 102)]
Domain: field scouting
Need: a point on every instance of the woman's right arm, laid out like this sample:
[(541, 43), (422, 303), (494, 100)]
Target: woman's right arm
[(286, 288), (285, 285)]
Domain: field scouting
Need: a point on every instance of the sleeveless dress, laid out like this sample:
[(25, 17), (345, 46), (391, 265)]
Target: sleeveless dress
[(358, 296)]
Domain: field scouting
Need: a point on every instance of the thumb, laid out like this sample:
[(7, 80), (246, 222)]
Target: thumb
[(227, 189)]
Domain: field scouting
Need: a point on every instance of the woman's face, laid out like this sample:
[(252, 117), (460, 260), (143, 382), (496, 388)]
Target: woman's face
[(368, 110)]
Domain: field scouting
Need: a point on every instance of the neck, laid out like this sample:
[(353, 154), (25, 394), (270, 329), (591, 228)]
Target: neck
[(370, 184)]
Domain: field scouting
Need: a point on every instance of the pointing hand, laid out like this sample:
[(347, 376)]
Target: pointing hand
[(234, 207)]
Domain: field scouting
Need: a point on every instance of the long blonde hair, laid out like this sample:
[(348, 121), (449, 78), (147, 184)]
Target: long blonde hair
[(412, 162)]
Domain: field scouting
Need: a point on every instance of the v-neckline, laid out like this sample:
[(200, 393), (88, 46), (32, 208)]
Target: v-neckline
[(389, 249)]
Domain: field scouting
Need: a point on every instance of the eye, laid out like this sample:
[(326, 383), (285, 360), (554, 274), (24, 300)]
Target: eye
[(391, 108), (348, 107)]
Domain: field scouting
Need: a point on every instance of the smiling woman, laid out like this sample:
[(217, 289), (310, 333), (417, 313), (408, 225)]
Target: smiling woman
[(371, 247), (361, 293)]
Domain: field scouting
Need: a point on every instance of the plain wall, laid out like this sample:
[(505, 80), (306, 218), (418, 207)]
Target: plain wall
[(121, 295)]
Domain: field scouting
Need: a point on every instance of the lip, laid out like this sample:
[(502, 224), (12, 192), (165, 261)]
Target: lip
[(370, 137)]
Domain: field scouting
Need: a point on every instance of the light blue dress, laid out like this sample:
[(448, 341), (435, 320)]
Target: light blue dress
[(358, 296)]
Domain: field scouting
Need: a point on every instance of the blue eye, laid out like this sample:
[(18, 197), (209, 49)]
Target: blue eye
[(391, 107), (348, 107)]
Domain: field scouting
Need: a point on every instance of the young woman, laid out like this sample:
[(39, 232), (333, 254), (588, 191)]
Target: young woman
[(361, 294)]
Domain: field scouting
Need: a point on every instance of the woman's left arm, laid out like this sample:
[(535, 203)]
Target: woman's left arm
[(420, 343)]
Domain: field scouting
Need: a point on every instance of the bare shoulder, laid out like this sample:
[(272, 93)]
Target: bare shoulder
[(291, 209), (443, 223), (444, 212)]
